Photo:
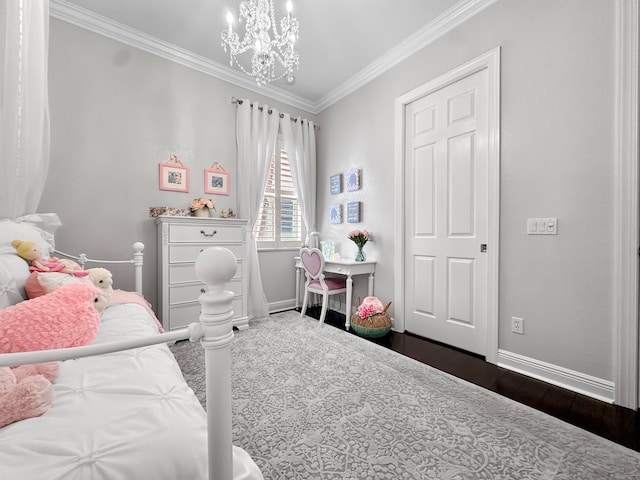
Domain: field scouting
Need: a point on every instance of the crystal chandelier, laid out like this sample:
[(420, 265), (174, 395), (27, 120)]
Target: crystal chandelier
[(272, 53)]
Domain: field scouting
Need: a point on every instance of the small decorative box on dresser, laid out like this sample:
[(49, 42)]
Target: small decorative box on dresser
[(180, 240)]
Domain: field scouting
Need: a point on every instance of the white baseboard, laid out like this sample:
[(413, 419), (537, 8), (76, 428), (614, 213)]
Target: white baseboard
[(282, 305), (562, 377)]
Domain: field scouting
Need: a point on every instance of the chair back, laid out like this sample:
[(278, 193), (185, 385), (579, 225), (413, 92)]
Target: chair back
[(312, 261), (314, 240)]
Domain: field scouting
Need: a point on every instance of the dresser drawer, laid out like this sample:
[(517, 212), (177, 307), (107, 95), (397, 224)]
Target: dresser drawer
[(186, 272), (190, 292), (188, 253), (204, 234), (182, 315)]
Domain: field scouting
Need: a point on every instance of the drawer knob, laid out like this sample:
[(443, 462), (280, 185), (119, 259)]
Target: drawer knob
[(202, 290), (208, 234)]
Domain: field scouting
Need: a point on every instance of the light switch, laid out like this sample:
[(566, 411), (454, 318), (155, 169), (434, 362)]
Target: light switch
[(542, 226)]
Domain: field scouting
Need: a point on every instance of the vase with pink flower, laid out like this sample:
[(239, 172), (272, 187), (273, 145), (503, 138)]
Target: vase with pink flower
[(201, 207), (360, 238)]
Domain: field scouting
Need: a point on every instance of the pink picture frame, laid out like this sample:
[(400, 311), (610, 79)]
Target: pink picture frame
[(216, 180), (174, 175)]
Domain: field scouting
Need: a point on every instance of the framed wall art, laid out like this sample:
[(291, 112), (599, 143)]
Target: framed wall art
[(335, 213), (216, 180), (353, 212), (174, 175), (352, 180), (336, 184)]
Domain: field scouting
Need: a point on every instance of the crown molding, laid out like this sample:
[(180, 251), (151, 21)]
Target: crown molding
[(78, 16), (83, 18), (456, 15)]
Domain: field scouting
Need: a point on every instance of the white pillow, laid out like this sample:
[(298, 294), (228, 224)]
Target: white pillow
[(38, 228), (11, 291)]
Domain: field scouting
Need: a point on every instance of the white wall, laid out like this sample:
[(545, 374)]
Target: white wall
[(116, 113), (556, 161)]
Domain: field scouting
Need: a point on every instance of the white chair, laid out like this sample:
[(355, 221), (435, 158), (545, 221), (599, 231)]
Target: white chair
[(314, 239), (313, 264)]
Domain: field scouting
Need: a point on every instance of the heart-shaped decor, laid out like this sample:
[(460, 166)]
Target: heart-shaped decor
[(312, 262)]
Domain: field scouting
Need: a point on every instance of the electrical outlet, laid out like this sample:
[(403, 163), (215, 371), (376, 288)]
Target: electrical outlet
[(517, 325)]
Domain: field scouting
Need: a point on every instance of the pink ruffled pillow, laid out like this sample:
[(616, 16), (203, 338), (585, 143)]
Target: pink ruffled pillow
[(41, 283), (66, 317)]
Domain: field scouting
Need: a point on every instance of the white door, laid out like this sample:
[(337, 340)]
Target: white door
[(446, 223)]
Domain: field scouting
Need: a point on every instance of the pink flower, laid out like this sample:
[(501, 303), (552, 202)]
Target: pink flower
[(359, 237), (370, 306), (199, 203)]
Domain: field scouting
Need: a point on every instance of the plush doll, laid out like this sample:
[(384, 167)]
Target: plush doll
[(32, 254), (24, 393), (66, 317), (103, 279)]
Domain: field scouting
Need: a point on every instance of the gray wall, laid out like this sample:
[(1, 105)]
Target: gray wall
[(557, 146), (116, 113)]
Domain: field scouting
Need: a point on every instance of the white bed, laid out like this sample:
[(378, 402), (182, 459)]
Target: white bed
[(130, 414)]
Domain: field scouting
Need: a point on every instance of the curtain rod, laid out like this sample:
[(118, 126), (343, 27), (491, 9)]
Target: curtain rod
[(239, 101)]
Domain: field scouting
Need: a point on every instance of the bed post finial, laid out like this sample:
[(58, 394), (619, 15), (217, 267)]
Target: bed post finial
[(216, 266), (138, 256)]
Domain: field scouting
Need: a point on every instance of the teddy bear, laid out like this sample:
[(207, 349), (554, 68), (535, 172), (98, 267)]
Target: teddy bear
[(31, 252), (66, 317), (103, 279)]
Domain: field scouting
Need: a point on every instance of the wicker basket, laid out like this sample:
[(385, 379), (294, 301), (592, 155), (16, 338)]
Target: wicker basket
[(374, 326)]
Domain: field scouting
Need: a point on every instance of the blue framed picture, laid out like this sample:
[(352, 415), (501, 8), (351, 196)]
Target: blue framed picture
[(353, 212), (352, 180), (335, 213), (336, 184)]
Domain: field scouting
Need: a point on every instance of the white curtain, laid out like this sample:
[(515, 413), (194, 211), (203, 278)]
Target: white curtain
[(300, 143), (24, 105), (256, 134)]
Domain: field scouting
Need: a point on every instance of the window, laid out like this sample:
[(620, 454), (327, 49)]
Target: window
[(279, 221)]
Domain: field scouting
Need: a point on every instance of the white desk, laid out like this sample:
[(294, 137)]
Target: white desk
[(344, 267)]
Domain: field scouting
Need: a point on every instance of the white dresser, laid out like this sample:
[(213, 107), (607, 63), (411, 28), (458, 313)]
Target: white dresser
[(180, 240)]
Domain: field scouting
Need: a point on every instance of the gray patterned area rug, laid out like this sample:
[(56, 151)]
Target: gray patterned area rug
[(319, 403)]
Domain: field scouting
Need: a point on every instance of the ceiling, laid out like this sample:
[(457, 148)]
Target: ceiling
[(342, 43)]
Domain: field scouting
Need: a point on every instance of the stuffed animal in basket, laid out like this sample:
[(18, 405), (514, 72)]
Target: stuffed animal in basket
[(37, 263), (67, 317)]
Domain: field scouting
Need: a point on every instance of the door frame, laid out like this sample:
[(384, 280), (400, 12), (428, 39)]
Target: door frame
[(626, 222), (490, 61)]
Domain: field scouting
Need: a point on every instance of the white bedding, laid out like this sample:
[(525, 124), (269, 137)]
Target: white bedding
[(125, 415)]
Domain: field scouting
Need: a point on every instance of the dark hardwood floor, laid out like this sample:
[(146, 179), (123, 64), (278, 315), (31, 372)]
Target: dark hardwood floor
[(618, 424)]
